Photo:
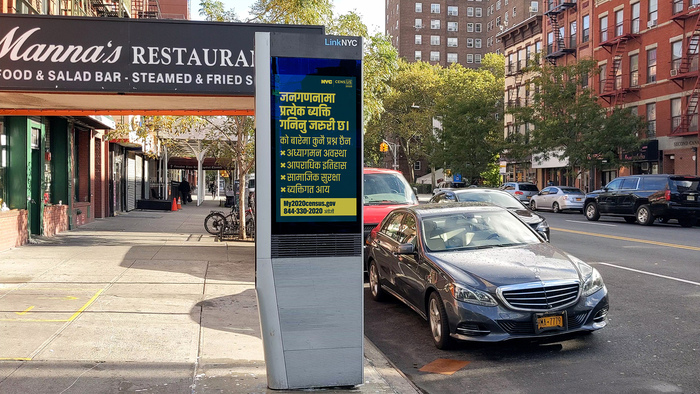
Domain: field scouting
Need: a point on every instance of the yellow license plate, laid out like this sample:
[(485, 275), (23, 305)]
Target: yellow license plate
[(550, 322), (578, 199)]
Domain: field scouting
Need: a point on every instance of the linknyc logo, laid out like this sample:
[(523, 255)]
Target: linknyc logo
[(341, 42)]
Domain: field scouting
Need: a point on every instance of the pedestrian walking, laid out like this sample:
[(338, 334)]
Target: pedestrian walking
[(185, 189)]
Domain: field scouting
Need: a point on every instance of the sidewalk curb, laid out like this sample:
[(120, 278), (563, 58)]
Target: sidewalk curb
[(388, 371)]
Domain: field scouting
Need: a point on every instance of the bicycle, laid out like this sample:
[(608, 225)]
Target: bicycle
[(216, 223)]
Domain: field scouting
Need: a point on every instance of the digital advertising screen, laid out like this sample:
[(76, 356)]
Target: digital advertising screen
[(317, 145)]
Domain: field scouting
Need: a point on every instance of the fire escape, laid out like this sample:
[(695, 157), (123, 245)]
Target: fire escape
[(146, 9), (616, 84), (112, 8), (559, 47), (685, 69)]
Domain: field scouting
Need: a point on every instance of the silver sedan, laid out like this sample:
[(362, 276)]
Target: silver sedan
[(558, 198)]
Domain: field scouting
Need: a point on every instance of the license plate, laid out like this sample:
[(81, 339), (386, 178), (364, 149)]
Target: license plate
[(690, 198), (529, 197), (578, 198), (547, 322)]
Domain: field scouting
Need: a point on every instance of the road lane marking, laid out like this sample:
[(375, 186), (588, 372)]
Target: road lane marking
[(593, 223), (66, 298), (652, 274), (25, 311), (15, 359), (644, 241)]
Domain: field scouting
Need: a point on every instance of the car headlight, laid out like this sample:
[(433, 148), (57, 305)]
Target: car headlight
[(543, 226), (472, 296), (592, 283)]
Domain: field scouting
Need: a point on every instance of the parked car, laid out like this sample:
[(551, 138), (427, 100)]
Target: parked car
[(384, 190), (644, 198), (496, 197), (447, 185), (476, 272), (558, 198), (523, 191)]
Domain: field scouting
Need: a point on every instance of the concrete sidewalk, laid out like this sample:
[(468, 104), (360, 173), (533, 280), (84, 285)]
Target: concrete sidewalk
[(142, 302)]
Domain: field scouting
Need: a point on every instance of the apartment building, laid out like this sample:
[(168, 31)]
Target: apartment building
[(647, 52)]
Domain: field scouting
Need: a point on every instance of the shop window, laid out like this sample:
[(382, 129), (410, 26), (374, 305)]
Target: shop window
[(81, 166), (3, 162)]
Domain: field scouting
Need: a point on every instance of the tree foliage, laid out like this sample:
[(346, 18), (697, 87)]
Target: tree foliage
[(470, 110), (213, 10), (567, 121)]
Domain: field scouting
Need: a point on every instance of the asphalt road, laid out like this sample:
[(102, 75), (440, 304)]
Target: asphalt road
[(651, 344)]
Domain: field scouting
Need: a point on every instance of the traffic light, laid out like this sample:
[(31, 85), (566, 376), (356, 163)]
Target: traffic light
[(383, 147), (448, 172)]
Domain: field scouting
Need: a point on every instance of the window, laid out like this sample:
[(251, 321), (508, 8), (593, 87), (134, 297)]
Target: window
[(572, 34), (391, 228), (434, 56), (477, 12), (477, 58), (452, 26), (435, 24), (498, 5), (419, 7), (653, 12), (477, 27), (651, 120), (452, 42), (470, 43), (675, 113), (452, 10), (617, 63), (619, 27), (477, 42), (419, 39), (634, 70), (417, 55), (513, 11), (470, 58), (676, 55), (452, 58), (3, 162), (498, 21), (535, 6), (635, 17), (470, 27), (651, 65), (434, 40), (470, 11), (586, 33), (603, 29), (417, 166), (419, 23), (601, 76), (435, 8)]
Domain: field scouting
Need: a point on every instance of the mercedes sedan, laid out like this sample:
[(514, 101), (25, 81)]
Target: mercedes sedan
[(476, 272)]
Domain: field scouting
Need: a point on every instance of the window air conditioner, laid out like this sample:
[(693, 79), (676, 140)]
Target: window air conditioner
[(533, 9), (651, 24), (674, 72)]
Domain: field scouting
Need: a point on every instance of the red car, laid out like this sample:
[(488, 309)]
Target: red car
[(384, 190)]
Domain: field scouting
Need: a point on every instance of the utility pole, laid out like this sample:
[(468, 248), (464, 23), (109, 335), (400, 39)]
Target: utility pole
[(394, 148)]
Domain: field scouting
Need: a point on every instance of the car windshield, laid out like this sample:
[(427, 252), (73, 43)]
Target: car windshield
[(475, 230), (571, 190), (501, 199), (387, 189), (528, 187)]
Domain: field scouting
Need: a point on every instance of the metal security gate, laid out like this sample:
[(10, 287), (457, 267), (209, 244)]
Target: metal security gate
[(131, 181)]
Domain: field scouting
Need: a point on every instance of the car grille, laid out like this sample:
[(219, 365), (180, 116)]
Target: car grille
[(528, 327), (540, 296)]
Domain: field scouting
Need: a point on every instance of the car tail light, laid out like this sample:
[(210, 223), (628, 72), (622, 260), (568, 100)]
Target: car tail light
[(667, 195), (519, 193)]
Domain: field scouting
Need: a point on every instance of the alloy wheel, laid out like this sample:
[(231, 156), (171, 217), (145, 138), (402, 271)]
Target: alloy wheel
[(435, 320)]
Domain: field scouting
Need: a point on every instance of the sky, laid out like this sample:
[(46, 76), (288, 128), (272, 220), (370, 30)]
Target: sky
[(371, 11)]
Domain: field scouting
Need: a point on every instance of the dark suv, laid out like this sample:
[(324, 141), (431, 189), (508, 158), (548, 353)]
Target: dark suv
[(644, 198)]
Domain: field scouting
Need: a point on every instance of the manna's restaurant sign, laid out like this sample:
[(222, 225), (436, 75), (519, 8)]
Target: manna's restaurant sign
[(107, 55)]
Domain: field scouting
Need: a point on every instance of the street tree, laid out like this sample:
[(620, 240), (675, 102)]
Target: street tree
[(409, 109), (566, 120), (231, 140), (470, 110)]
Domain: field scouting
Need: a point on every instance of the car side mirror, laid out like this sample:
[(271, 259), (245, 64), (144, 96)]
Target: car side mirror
[(415, 190), (405, 249)]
